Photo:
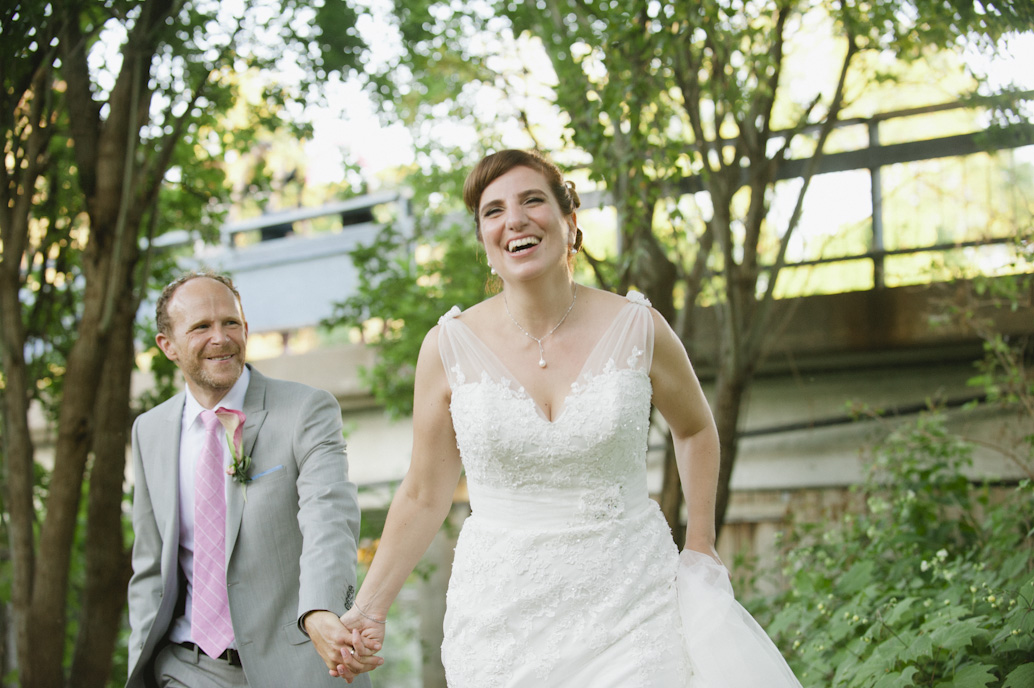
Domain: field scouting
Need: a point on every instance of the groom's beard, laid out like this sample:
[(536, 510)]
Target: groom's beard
[(215, 375)]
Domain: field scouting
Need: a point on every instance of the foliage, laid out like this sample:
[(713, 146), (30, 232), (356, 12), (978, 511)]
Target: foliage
[(410, 276), (931, 583), (116, 130), (1003, 373), (984, 306), (404, 288)]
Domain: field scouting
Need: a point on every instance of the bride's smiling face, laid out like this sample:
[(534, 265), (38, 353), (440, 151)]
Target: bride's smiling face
[(522, 226)]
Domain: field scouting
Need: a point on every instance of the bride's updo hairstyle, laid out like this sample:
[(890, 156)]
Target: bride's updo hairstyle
[(496, 165)]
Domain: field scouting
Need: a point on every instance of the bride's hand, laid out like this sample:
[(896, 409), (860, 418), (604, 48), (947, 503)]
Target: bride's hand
[(367, 638), (704, 546)]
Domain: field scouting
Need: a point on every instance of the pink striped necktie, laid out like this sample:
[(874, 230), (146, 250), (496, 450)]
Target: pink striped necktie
[(210, 627)]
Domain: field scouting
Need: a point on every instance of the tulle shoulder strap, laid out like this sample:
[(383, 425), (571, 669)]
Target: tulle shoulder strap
[(628, 342), (465, 357)]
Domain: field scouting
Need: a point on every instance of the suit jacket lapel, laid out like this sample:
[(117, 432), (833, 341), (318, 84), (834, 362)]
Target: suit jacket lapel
[(255, 415), (163, 467)]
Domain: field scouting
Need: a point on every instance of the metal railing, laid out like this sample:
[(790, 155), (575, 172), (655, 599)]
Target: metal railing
[(319, 267)]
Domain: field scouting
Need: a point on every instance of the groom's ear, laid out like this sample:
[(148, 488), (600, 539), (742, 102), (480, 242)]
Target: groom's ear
[(167, 347)]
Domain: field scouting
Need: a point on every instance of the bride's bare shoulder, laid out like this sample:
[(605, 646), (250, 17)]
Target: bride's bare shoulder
[(604, 302), (480, 311)]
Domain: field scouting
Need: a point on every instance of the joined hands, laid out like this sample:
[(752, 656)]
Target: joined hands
[(367, 638), (348, 646)]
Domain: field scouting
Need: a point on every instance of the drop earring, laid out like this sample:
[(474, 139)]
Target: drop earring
[(492, 270)]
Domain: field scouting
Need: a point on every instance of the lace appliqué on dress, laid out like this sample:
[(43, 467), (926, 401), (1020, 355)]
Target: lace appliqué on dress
[(603, 504), (633, 358)]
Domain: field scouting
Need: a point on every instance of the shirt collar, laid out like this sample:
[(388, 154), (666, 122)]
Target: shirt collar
[(234, 399)]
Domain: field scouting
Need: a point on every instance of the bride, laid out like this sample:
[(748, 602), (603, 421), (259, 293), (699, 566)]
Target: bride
[(565, 573)]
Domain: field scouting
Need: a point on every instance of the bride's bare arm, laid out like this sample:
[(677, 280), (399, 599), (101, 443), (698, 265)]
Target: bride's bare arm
[(425, 496), (677, 395)]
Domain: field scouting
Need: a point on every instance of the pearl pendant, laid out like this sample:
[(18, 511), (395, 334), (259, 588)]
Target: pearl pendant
[(542, 363)]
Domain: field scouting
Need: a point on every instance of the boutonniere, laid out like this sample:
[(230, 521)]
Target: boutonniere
[(233, 423)]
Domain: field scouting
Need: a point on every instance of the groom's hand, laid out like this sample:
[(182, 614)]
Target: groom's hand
[(328, 636)]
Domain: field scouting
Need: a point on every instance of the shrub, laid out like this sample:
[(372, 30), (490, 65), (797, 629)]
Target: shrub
[(931, 583)]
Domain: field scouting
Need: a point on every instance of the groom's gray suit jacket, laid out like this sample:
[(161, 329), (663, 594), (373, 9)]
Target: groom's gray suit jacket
[(290, 539)]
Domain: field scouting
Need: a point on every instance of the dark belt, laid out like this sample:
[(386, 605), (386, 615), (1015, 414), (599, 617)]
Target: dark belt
[(230, 656)]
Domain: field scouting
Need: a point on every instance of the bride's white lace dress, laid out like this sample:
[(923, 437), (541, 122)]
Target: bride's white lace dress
[(565, 572)]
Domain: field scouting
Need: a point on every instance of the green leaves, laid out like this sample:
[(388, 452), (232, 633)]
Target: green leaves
[(405, 285), (859, 577), (953, 635), (1020, 677), (902, 679), (926, 586), (972, 676), (341, 47)]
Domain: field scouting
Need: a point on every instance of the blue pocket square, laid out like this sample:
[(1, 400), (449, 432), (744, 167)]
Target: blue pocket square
[(274, 469)]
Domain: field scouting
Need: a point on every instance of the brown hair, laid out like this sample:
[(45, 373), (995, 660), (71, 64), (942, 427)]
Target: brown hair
[(497, 164), (161, 310)]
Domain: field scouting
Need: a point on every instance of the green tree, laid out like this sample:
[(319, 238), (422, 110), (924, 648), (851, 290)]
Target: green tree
[(703, 90), (674, 101), (111, 117)]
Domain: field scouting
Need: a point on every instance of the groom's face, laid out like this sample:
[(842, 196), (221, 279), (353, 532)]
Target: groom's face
[(208, 337)]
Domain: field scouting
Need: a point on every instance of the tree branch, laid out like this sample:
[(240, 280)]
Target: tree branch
[(83, 111), (759, 325)]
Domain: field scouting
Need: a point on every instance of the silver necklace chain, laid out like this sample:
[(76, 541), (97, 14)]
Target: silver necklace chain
[(538, 340)]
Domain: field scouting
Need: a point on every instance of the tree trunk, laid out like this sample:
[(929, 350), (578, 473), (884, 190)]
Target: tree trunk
[(730, 389), (105, 153), (47, 620), (16, 201), (655, 274), (107, 561), (5, 665), (109, 262), (20, 480), (19, 474)]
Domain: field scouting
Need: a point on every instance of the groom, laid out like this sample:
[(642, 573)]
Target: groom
[(245, 521)]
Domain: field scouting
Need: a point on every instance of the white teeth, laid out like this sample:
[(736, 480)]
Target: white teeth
[(518, 244)]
